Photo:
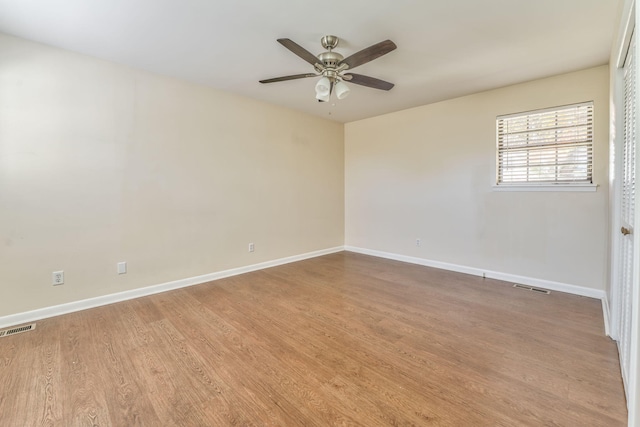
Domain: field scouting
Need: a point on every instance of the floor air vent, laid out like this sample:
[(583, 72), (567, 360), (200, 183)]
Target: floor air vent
[(532, 289), (17, 330)]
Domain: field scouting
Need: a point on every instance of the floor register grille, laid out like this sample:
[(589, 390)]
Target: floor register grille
[(17, 330), (532, 289)]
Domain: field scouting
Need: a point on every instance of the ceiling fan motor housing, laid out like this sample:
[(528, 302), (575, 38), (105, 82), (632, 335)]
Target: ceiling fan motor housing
[(330, 59)]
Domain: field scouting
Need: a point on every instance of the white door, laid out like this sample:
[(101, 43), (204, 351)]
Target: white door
[(627, 215)]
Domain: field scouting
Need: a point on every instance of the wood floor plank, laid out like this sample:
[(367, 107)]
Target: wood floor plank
[(127, 402), (343, 339), (83, 392), (44, 407), (10, 383)]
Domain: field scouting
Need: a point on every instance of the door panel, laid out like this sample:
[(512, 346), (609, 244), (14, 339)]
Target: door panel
[(627, 217)]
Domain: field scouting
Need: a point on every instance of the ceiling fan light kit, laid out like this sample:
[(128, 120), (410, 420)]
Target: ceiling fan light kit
[(330, 66)]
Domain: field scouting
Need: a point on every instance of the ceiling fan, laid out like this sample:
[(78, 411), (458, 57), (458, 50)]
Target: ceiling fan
[(331, 67)]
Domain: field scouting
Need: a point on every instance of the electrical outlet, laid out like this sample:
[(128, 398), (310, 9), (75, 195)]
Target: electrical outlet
[(418, 242), (58, 278), (252, 247), (122, 268)]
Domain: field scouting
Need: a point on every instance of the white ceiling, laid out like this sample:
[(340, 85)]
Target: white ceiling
[(445, 48)]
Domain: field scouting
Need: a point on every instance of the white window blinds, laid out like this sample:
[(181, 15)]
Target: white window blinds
[(550, 146)]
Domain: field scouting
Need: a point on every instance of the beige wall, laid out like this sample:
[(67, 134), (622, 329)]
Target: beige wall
[(428, 173), (100, 163)]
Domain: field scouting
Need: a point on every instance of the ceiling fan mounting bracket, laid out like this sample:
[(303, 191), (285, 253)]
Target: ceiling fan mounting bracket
[(329, 42)]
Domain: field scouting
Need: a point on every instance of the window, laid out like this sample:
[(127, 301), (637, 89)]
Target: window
[(550, 146)]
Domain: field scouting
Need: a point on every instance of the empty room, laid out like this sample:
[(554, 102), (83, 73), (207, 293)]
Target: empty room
[(218, 213)]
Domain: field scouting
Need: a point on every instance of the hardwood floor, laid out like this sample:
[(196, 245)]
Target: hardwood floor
[(344, 339)]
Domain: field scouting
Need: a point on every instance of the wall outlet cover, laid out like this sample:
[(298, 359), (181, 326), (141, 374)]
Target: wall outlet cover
[(122, 268), (58, 278)]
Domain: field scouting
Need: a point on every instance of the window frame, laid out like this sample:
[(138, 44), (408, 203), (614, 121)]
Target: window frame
[(563, 185)]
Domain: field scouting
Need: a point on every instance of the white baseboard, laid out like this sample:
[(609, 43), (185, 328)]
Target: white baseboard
[(606, 313), (507, 277), (57, 310)]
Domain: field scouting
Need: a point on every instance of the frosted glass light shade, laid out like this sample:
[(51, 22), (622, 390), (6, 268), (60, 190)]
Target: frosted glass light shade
[(323, 98), (342, 90), (323, 87)]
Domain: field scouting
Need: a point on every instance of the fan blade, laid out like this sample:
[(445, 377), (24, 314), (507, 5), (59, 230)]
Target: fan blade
[(300, 51), (285, 78), (359, 79), (369, 54)]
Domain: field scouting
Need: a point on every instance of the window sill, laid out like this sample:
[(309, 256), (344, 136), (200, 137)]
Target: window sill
[(545, 187)]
